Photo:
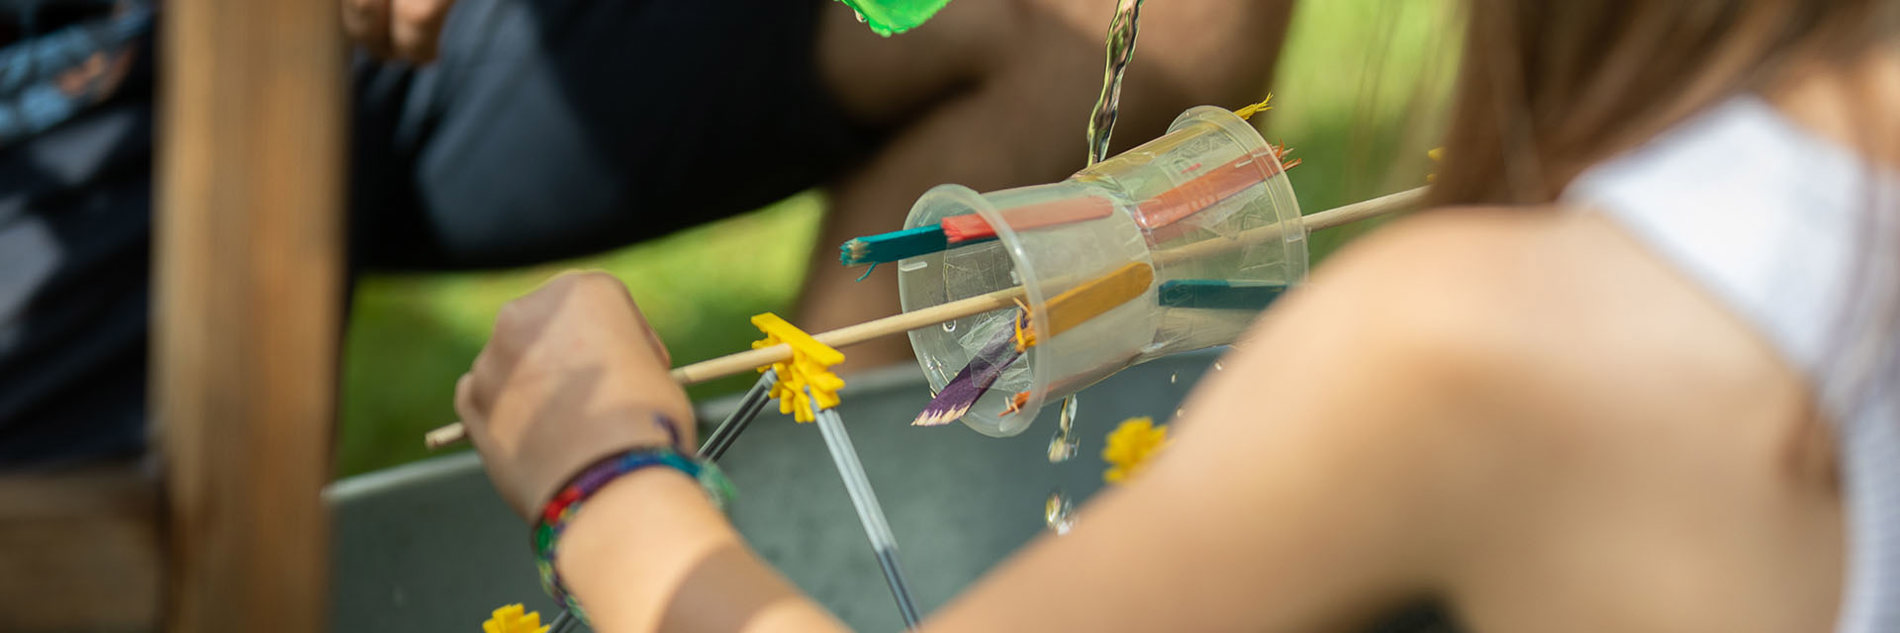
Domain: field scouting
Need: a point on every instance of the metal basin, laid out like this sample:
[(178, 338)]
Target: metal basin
[(429, 547)]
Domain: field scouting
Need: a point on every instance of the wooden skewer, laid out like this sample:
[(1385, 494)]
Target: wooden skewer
[(900, 323), (1364, 209), (850, 335), (1323, 220)]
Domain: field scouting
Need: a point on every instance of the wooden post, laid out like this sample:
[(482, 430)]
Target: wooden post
[(252, 139)]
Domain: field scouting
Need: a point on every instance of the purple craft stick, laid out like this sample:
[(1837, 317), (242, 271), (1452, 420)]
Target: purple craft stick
[(962, 392)]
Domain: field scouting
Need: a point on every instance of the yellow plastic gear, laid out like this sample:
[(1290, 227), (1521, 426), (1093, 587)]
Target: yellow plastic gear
[(513, 619), (809, 366)]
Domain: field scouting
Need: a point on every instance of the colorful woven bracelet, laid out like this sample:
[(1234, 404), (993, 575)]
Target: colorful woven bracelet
[(567, 502)]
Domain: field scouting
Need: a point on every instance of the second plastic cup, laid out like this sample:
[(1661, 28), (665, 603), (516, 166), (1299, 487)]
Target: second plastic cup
[(1202, 220)]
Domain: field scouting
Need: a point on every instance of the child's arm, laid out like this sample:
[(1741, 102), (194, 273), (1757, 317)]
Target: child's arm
[(650, 553), (1337, 467)]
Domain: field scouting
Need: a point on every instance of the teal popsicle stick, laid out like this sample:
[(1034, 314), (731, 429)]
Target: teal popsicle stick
[(1216, 294)]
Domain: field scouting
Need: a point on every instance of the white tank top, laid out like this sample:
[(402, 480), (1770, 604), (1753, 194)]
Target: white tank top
[(1801, 237)]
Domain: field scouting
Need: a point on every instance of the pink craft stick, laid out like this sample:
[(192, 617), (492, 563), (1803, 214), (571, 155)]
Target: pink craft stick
[(971, 227)]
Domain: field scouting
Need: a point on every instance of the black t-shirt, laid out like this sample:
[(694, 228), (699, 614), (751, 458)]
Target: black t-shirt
[(75, 231)]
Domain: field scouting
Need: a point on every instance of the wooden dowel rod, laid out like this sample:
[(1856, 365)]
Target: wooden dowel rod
[(842, 337), (1323, 220), (1348, 214), (850, 335), (900, 323)]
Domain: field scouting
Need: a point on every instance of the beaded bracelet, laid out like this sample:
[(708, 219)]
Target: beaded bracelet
[(567, 502)]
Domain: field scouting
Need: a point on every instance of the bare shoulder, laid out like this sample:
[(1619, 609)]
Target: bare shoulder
[(1563, 308), (1460, 298), (1416, 346), (1519, 339), (1572, 384), (1484, 279)]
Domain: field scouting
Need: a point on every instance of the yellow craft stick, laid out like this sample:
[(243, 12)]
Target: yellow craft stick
[(1077, 305)]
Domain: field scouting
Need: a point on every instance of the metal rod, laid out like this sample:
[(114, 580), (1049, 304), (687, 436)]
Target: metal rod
[(749, 406), (883, 543), (563, 622)]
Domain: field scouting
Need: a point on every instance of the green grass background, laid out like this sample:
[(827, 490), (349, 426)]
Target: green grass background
[(1358, 94)]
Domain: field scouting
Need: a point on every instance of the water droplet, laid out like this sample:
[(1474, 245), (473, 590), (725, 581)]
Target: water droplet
[(1065, 442), (1174, 378), (1179, 412), (1063, 446), (1058, 512), (861, 17), (949, 326), (1217, 366), (1122, 29)]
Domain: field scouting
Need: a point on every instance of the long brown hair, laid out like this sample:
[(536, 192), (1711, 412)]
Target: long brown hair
[(1548, 88)]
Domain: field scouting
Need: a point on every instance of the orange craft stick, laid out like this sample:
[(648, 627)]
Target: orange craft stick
[(1200, 193)]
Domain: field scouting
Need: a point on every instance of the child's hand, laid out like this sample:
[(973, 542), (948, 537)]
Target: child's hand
[(573, 374)]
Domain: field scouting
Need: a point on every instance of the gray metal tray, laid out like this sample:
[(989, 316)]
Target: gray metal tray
[(429, 547)]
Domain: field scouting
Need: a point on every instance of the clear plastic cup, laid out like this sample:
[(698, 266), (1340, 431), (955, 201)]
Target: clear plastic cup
[(1207, 207)]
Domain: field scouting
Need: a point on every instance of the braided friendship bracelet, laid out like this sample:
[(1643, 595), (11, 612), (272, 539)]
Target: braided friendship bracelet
[(567, 502)]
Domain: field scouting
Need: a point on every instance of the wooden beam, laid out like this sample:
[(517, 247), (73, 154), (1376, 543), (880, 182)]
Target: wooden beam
[(80, 551), (249, 280)]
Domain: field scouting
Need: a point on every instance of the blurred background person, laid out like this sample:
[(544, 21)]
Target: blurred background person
[(505, 132)]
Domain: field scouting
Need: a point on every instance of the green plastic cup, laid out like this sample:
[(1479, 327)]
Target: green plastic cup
[(888, 17)]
